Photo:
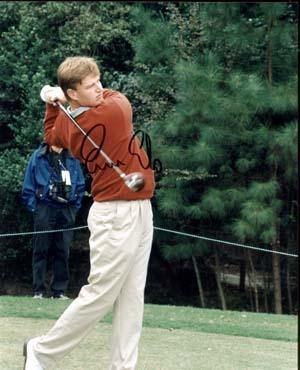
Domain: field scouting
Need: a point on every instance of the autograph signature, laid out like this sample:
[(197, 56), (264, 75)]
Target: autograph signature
[(90, 156), (156, 165)]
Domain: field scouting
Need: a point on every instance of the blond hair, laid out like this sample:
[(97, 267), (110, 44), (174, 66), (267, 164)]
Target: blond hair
[(73, 70)]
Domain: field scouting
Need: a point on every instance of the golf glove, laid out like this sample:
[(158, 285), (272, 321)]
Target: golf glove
[(51, 93)]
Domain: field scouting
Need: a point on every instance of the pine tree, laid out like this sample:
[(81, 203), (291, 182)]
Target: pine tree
[(231, 105)]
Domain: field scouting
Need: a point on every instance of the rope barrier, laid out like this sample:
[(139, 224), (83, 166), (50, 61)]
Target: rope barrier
[(42, 231), (160, 229), (226, 242)]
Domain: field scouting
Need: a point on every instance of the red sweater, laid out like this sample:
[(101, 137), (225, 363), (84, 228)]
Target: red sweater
[(110, 126)]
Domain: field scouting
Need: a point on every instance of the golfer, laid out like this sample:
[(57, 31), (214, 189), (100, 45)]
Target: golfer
[(119, 220)]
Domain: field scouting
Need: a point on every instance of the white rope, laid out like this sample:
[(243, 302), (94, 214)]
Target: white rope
[(226, 242), (160, 229), (42, 231)]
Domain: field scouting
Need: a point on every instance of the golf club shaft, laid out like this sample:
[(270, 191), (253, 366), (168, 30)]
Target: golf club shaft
[(104, 155)]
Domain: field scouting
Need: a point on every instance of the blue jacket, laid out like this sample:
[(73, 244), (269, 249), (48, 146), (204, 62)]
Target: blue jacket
[(39, 174)]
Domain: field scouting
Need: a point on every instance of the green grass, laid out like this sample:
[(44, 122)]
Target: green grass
[(173, 338), (244, 324)]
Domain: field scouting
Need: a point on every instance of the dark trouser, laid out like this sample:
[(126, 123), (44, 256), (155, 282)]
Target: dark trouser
[(50, 218)]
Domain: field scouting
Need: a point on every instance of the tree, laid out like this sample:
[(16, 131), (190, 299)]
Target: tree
[(34, 39), (226, 106)]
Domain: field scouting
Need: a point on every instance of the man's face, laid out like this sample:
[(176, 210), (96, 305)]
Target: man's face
[(88, 93)]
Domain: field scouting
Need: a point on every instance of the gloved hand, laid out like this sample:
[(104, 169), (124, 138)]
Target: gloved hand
[(49, 94)]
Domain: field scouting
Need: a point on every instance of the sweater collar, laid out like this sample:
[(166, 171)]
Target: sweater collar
[(75, 113)]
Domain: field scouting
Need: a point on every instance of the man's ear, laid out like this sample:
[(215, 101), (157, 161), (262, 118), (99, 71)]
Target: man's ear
[(72, 94)]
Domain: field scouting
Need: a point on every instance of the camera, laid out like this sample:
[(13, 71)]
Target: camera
[(60, 192)]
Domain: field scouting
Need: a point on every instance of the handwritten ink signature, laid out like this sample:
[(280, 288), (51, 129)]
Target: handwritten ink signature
[(94, 153), (90, 156), (156, 165)]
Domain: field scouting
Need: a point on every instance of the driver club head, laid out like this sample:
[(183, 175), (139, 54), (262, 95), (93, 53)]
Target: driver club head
[(135, 181)]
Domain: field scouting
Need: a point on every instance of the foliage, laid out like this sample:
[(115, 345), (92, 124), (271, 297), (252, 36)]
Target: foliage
[(35, 38), (232, 117)]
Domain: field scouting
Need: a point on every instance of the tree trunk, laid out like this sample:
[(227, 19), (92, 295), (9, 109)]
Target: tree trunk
[(275, 257), (250, 288), (266, 290), (218, 280), (290, 241), (200, 288), (254, 280), (269, 53), (288, 286), (269, 56), (242, 276), (276, 279)]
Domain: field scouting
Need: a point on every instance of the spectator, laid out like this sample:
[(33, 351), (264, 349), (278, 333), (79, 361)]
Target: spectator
[(52, 190)]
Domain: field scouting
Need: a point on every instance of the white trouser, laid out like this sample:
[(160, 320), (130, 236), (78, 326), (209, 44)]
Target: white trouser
[(120, 245)]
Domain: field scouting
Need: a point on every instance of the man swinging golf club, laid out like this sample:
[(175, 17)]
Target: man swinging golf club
[(120, 219)]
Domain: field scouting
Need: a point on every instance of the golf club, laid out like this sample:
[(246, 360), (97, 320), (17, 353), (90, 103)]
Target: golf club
[(134, 181)]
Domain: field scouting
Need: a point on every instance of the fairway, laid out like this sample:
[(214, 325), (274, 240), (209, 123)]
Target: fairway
[(160, 349)]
